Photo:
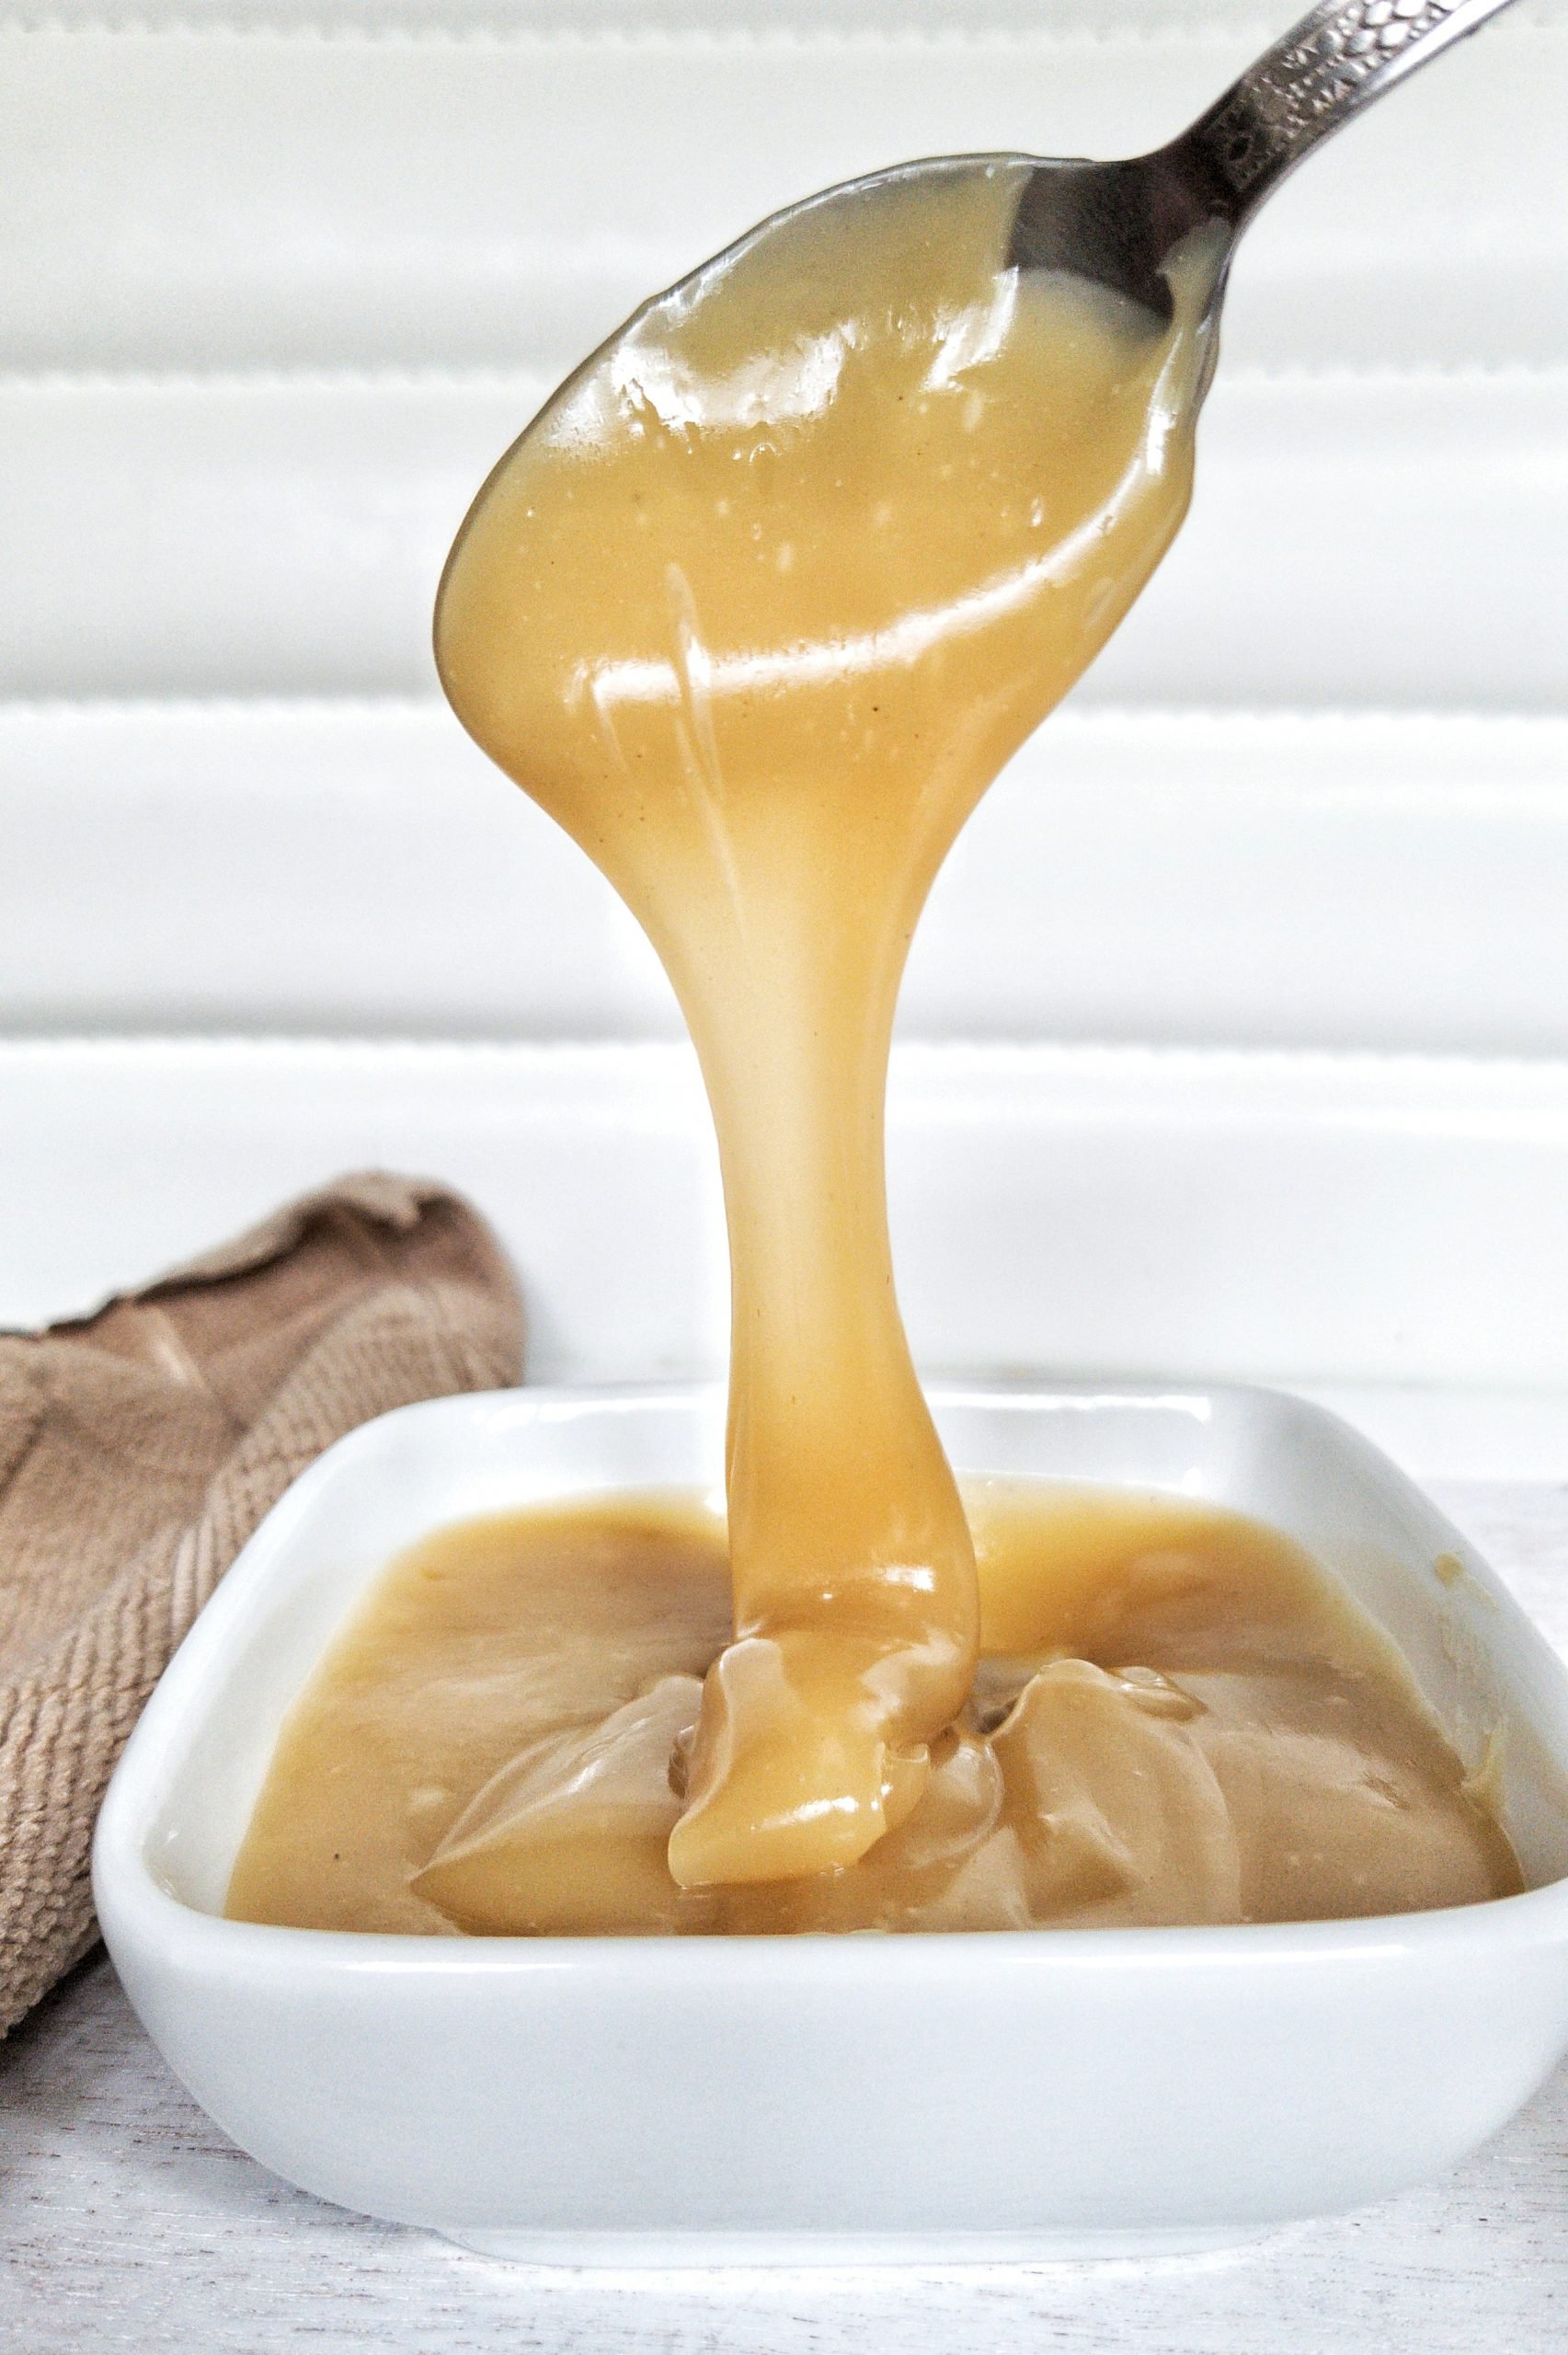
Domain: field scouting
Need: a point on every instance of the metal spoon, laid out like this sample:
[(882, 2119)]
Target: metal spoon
[(1118, 223)]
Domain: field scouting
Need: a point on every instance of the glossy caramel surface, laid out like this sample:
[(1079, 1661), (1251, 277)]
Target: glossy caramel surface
[(1177, 1717), (757, 609)]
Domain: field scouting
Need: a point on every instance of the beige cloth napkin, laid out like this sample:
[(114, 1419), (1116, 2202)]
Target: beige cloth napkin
[(139, 1448)]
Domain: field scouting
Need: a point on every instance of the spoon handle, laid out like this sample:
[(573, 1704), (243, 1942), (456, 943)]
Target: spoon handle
[(1340, 57)]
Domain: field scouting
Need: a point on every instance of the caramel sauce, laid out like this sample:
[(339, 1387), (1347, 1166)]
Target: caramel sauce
[(1176, 1718), (757, 609)]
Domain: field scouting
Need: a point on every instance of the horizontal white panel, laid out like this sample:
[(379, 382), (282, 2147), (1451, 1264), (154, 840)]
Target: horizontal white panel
[(235, 537), (1271, 1217), (320, 867), (1280, 880), (356, 185), (1387, 541), (1331, 881), (1295, 1219), (597, 1168), (430, 21), (1364, 541)]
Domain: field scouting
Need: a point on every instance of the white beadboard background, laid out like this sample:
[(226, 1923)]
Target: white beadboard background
[(1237, 1039)]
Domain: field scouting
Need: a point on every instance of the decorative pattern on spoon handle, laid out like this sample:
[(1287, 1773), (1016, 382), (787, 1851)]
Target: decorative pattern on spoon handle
[(1336, 61)]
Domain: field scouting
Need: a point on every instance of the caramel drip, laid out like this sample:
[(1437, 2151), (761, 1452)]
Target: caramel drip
[(757, 608)]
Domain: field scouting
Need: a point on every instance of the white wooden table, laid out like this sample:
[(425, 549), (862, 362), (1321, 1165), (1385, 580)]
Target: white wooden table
[(127, 2221)]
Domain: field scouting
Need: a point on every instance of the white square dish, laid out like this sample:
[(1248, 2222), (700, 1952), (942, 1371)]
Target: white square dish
[(939, 2097)]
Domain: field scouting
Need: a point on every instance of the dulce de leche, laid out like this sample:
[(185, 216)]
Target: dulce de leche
[(1177, 1718), (757, 609)]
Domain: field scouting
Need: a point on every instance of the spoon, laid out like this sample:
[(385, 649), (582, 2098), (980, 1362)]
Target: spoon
[(1118, 223)]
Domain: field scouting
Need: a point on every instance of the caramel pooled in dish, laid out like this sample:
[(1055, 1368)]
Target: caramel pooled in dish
[(757, 609), (1177, 1718)]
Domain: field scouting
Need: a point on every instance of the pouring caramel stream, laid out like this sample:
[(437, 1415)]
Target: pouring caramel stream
[(757, 609)]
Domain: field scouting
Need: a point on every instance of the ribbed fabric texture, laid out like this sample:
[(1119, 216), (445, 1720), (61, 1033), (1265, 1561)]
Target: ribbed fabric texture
[(139, 1447)]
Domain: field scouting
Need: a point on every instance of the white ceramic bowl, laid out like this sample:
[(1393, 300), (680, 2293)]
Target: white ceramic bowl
[(854, 2099)]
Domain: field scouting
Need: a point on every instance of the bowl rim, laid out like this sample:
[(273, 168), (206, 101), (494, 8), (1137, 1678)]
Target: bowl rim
[(135, 1904)]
